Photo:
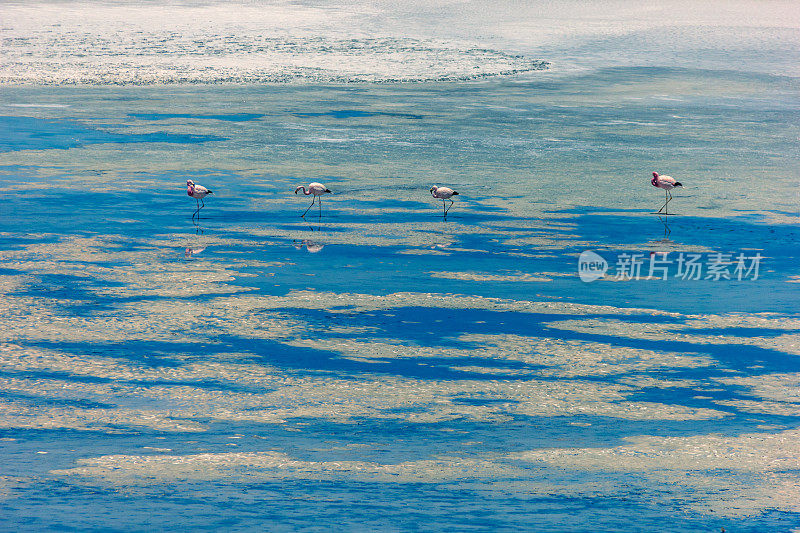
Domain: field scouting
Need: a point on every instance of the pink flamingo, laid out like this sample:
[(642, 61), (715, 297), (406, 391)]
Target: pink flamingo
[(317, 189), (444, 193), (667, 183), (198, 192)]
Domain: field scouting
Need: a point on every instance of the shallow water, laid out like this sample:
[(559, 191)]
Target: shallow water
[(375, 365)]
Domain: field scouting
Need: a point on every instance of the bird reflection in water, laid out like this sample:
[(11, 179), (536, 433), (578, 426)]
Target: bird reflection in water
[(667, 231), (192, 251), (310, 245), (198, 229), (664, 243)]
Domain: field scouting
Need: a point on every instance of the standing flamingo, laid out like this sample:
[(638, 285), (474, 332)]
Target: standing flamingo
[(667, 183), (198, 192), (317, 189), (444, 193)]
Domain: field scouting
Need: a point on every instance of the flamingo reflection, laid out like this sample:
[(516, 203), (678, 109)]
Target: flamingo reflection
[(312, 246), (190, 251)]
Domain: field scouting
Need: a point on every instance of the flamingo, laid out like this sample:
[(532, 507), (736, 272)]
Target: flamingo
[(198, 192), (444, 193), (667, 183), (317, 189)]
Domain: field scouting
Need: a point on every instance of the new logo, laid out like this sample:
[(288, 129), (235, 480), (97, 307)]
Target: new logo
[(591, 266)]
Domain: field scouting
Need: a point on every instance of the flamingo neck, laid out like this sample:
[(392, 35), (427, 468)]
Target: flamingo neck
[(190, 190), (654, 181), (303, 188)]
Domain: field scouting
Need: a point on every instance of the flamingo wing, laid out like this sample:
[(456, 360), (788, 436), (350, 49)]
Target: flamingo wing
[(316, 188)]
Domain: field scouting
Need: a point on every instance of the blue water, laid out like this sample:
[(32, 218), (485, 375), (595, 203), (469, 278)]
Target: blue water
[(355, 113), (408, 371), (235, 117), (29, 133)]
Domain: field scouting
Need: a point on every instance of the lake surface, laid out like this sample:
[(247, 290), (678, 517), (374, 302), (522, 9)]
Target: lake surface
[(375, 365)]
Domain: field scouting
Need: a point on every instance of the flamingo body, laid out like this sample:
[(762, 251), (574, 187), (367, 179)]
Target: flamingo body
[(664, 182), (316, 189), (667, 183), (442, 192), (198, 192)]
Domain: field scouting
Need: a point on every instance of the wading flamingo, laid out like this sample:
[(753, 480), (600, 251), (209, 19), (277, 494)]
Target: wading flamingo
[(667, 183), (444, 193), (317, 189), (198, 192)]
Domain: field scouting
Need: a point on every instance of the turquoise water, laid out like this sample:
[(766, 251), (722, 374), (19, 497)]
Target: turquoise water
[(375, 365)]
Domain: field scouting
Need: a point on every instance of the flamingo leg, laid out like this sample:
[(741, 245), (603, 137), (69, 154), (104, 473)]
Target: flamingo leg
[(665, 203), (196, 211), (309, 207), (668, 196), (444, 211), (448, 207), (319, 203)]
